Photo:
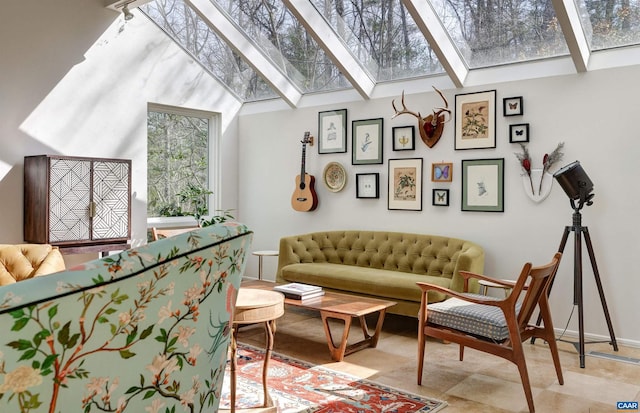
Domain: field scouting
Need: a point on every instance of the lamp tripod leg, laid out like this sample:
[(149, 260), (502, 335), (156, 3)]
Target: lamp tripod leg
[(596, 275)]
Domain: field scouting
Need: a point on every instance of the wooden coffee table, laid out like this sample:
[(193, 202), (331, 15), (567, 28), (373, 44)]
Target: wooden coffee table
[(341, 307)]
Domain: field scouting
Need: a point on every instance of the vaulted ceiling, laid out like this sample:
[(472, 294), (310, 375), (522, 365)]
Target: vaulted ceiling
[(262, 49)]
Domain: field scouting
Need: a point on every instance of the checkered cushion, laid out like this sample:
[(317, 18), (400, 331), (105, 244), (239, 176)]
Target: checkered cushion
[(477, 319)]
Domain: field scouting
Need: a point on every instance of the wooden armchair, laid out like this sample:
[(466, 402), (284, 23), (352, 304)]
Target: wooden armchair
[(490, 324)]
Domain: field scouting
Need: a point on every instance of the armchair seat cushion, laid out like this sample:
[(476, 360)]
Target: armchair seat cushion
[(479, 320)]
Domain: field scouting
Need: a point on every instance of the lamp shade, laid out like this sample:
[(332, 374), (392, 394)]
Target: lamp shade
[(574, 180)]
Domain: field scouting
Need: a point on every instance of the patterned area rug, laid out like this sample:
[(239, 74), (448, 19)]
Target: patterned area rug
[(299, 387)]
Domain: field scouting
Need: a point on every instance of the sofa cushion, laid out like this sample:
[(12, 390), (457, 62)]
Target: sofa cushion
[(476, 319), (394, 285)]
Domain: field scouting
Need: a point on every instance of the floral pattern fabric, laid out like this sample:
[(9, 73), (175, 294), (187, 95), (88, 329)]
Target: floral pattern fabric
[(146, 330)]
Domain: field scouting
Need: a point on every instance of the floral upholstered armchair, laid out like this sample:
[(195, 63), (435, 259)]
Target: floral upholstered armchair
[(146, 330)]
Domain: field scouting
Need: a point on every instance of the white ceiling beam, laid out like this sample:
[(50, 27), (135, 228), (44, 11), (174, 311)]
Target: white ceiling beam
[(429, 23), (332, 45), (238, 41), (119, 4), (569, 19)]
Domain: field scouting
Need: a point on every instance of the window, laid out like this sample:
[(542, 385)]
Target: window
[(180, 158)]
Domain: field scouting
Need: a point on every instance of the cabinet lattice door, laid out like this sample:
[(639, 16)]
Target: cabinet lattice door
[(111, 197), (71, 201)]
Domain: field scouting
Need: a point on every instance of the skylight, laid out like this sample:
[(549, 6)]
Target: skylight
[(188, 29), (383, 36), (262, 49), (495, 33), (610, 24), (281, 37)]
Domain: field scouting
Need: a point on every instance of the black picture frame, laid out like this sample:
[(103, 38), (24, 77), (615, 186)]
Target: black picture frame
[(475, 120), (440, 197), (405, 184), (368, 185), (332, 131), (512, 106), (404, 138), (519, 133)]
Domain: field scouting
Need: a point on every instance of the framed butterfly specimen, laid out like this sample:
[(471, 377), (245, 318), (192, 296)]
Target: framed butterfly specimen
[(512, 106), (519, 133), (441, 172), (440, 197)]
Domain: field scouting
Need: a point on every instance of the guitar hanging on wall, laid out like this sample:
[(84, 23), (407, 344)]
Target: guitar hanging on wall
[(304, 197)]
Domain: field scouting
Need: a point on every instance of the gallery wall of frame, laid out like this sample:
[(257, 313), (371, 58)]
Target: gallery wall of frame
[(481, 179)]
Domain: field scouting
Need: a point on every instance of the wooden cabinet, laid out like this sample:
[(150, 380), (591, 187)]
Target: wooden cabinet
[(79, 204)]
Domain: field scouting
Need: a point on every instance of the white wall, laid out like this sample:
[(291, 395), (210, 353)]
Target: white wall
[(76, 80), (595, 114), (79, 83)]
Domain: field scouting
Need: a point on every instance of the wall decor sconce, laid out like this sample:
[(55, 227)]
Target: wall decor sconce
[(538, 182)]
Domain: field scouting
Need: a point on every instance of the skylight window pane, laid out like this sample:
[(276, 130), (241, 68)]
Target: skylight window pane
[(501, 32), (612, 23), (181, 23), (281, 37), (383, 36)]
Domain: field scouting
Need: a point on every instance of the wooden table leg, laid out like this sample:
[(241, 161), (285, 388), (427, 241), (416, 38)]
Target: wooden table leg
[(270, 331), (234, 364), (338, 353)]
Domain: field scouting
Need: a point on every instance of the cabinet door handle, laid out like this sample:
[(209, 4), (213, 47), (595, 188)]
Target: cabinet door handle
[(92, 209)]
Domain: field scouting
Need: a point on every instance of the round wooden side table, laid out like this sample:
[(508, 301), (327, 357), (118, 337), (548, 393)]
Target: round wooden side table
[(261, 255), (485, 285), (256, 306)]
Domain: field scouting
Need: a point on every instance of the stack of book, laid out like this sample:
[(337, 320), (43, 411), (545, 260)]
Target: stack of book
[(298, 291)]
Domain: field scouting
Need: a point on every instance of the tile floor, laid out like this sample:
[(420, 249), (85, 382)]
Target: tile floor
[(480, 383)]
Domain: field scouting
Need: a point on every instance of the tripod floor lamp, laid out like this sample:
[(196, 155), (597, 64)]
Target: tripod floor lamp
[(578, 187)]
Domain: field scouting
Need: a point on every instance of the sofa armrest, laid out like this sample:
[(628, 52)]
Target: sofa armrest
[(471, 259)]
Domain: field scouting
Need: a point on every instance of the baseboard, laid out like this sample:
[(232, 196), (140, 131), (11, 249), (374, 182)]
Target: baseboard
[(596, 337)]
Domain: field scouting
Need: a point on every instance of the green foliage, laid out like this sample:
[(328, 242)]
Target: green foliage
[(220, 217), (177, 165)]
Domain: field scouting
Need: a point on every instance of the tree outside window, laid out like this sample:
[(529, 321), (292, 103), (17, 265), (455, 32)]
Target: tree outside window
[(177, 164)]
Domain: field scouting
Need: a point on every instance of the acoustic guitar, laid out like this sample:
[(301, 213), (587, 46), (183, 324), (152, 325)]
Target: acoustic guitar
[(304, 197)]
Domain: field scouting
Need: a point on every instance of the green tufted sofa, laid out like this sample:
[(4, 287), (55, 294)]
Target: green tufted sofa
[(379, 264)]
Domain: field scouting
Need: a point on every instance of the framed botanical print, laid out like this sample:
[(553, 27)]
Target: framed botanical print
[(366, 136), (475, 120), (405, 184), (483, 185), (404, 138), (367, 185), (332, 131), (440, 197)]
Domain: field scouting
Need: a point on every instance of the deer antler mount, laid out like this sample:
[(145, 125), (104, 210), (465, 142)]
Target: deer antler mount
[(430, 127)]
